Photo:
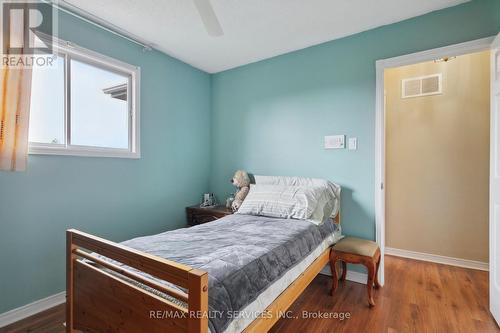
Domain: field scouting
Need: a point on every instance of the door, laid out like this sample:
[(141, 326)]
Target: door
[(495, 181)]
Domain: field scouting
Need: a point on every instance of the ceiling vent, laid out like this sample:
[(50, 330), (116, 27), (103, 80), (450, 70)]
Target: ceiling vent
[(422, 86)]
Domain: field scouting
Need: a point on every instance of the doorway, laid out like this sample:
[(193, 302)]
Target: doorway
[(380, 130), (437, 129)]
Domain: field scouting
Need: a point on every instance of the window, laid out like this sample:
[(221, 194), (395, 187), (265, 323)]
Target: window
[(87, 105)]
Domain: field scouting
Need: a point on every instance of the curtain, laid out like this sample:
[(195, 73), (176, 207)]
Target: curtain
[(15, 89), (15, 95)]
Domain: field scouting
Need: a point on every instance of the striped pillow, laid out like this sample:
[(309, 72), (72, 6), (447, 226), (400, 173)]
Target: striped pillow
[(290, 202), (331, 199)]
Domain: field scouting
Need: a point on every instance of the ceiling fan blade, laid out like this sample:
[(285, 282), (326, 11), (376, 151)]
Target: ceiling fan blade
[(208, 17)]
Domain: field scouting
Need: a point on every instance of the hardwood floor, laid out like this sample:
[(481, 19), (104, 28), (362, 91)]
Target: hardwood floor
[(417, 297), (49, 321)]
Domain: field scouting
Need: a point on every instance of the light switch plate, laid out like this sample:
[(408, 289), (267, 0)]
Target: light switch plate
[(335, 142), (353, 143)]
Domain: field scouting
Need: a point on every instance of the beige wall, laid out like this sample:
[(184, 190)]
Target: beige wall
[(437, 165)]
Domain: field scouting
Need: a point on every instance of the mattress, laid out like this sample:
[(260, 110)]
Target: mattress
[(250, 260)]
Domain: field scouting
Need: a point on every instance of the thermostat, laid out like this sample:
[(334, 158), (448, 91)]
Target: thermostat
[(335, 142)]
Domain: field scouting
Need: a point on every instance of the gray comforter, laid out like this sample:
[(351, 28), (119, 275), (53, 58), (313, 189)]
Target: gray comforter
[(242, 254)]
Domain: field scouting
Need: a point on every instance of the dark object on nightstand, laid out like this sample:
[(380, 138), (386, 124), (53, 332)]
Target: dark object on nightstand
[(197, 215)]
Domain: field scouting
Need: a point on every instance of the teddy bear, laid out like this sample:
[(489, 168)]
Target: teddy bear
[(242, 181)]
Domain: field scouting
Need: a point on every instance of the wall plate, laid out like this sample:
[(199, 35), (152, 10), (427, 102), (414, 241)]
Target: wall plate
[(352, 144), (335, 142)]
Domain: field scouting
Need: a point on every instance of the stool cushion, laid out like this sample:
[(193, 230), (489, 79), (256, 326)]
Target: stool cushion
[(362, 247)]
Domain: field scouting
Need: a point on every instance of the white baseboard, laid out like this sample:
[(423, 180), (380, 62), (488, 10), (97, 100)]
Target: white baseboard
[(28, 310), (351, 275), (483, 266), (356, 277)]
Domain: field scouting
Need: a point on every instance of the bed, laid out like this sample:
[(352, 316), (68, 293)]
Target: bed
[(254, 267)]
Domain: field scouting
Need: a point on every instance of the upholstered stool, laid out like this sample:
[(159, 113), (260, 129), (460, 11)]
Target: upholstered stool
[(356, 251)]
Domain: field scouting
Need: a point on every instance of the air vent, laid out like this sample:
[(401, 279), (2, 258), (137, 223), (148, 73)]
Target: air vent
[(421, 86)]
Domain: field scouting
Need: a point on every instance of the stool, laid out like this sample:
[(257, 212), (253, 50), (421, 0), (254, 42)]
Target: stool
[(356, 251)]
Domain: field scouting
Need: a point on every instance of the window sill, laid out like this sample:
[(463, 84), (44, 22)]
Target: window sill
[(84, 152)]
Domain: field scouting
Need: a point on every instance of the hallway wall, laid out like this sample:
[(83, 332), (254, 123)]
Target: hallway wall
[(437, 166)]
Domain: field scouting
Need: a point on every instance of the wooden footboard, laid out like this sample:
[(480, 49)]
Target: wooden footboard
[(104, 297)]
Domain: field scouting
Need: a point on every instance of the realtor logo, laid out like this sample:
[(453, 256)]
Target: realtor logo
[(23, 42)]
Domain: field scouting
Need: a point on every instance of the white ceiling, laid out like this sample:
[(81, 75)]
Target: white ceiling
[(253, 29)]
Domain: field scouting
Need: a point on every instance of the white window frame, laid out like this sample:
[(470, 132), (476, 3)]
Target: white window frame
[(70, 51)]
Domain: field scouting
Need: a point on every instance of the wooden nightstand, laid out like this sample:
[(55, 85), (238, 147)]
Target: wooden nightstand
[(197, 215)]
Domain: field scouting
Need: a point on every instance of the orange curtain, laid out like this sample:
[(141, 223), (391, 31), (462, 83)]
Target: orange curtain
[(15, 92)]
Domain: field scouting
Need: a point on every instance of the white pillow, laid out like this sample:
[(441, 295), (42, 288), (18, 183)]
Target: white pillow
[(279, 201), (291, 202), (331, 201)]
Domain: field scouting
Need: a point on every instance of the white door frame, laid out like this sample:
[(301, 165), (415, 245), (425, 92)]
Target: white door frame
[(409, 59)]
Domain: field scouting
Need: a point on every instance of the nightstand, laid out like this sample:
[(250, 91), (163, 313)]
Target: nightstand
[(197, 215)]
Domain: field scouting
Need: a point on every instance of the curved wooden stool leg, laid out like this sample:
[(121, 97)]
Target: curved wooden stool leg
[(344, 271), (335, 279), (369, 283), (377, 284)]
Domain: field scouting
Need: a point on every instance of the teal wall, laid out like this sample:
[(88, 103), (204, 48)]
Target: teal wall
[(114, 198), (270, 117)]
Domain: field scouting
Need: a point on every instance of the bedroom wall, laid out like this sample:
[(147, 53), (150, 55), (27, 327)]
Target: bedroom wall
[(114, 198), (270, 117), (437, 160)]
